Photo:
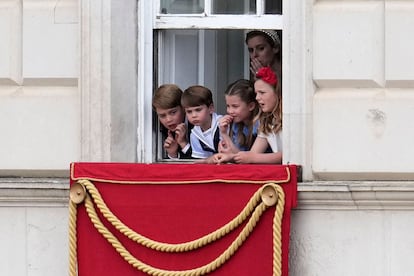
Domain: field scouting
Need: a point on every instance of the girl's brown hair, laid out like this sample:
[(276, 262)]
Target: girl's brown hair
[(245, 90)]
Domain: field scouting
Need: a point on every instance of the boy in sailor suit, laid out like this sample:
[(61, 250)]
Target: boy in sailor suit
[(197, 102)]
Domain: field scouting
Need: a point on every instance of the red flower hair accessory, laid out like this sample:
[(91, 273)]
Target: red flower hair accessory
[(266, 74)]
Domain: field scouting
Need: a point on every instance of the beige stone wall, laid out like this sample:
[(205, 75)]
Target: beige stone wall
[(39, 98), (364, 75), (350, 76)]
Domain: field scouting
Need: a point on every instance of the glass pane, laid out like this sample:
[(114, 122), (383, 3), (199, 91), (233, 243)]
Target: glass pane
[(273, 6), (212, 58), (233, 6), (182, 6)]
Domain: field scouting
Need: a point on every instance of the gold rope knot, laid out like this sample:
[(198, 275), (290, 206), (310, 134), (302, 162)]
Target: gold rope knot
[(269, 194), (77, 193)]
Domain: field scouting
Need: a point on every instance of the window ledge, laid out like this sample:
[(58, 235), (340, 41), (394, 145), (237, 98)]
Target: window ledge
[(355, 195), (34, 192), (343, 195)]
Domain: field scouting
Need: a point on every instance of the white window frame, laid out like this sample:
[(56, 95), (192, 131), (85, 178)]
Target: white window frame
[(297, 100)]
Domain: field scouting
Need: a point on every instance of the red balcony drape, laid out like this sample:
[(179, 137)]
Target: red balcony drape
[(175, 203)]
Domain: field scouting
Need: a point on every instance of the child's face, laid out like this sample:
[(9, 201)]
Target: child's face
[(265, 95), (170, 118), (239, 110), (200, 115)]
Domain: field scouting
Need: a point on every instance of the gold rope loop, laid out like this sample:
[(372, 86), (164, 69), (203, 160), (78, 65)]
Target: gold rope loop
[(160, 272), (167, 247), (247, 211)]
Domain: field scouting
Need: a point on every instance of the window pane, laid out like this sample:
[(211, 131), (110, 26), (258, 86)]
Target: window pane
[(273, 6), (182, 6), (234, 6), (212, 58)]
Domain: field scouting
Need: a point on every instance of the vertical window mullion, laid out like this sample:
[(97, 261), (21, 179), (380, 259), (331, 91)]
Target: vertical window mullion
[(156, 9), (207, 7), (201, 57), (246, 7), (260, 7)]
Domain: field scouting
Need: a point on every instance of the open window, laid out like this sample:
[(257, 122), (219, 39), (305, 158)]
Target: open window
[(203, 42)]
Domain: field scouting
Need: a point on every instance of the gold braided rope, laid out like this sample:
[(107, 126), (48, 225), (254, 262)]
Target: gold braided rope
[(167, 247), (72, 238), (160, 272), (204, 240), (277, 232)]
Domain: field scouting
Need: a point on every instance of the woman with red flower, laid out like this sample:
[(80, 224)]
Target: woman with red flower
[(269, 97)]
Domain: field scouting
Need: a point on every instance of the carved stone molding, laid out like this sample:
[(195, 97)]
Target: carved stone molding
[(350, 195), (34, 192), (311, 195)]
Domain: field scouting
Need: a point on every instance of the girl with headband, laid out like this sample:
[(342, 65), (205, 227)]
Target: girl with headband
[(264, 48)]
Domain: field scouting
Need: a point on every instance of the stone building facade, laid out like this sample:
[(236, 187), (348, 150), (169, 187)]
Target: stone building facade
[(76, 81)]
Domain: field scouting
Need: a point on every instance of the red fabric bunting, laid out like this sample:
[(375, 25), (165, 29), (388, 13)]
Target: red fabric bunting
[(176, 203)]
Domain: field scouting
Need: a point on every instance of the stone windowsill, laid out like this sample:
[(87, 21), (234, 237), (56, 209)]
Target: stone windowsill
[(347, 195)]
